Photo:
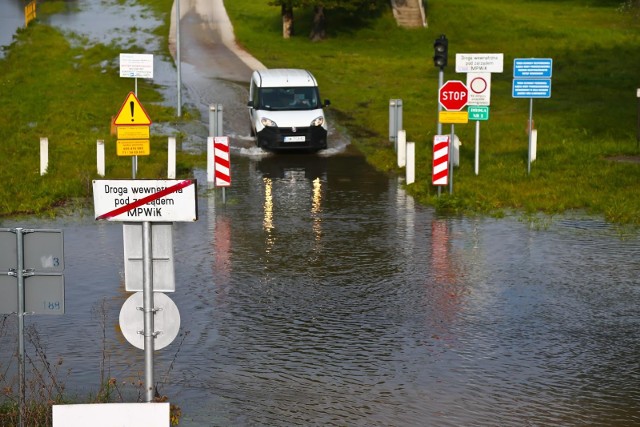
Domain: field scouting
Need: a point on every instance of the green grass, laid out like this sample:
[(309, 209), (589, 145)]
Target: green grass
[(58, 87), (591, 116), (55, 87)]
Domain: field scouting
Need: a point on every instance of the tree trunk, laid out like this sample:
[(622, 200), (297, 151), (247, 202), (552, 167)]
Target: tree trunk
[(287, 21), (318, 31)]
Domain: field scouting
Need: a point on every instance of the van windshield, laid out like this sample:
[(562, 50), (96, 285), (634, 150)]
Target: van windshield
[(289, 98)]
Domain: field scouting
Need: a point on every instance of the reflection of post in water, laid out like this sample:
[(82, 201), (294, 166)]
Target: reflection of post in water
[(316, 209), (267, 221), (443, 289)]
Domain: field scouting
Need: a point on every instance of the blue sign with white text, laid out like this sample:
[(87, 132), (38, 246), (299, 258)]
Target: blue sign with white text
[(533, 68), (531, 88)]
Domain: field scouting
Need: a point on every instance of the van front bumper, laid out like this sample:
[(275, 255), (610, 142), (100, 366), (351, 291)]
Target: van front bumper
[(307, 138)]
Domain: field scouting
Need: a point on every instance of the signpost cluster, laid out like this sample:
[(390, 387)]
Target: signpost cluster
[(531, 79), (148, 321)]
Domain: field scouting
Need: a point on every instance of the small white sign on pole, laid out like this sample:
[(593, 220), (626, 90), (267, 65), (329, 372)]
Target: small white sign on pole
[(136, 65)]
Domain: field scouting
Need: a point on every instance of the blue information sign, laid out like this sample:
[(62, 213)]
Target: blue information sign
[(533, 68), (531, 88)]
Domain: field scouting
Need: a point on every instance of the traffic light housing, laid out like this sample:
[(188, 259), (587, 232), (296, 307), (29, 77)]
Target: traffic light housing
[(440, 47)]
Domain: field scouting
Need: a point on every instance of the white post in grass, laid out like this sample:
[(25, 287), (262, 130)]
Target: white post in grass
[(411, 162), (100, 156), (402, 148), (44, 155), (171, 155)]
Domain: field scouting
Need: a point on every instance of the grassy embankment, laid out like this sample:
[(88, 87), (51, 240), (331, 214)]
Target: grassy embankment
[(590, 117), (60, 87)]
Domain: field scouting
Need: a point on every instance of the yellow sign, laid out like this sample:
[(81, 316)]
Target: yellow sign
[(29, 12), (132, 113), (132, 132), (133, 147), (453, 117)]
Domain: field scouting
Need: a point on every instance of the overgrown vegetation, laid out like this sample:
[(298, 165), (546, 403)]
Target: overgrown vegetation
[(589, 120)]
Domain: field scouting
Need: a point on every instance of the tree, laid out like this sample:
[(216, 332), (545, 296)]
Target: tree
[(358, 8)]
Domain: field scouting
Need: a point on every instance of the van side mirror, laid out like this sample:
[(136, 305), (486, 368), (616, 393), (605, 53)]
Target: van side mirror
[(250, 104), (327, 102)]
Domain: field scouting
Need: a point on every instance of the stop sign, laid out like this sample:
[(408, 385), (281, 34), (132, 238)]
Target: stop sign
[(453, 95)]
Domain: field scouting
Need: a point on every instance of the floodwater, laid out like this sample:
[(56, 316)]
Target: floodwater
[(320, 293)]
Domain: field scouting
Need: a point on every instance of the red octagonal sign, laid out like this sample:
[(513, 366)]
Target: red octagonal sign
[(453, 95)]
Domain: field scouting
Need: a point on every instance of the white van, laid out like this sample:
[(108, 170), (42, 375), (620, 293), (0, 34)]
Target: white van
[(286, 111)]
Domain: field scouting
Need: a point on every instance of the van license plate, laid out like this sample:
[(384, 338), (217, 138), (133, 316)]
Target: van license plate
[(294, 138)]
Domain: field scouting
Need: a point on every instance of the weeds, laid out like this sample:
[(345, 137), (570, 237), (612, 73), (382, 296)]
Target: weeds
[(46, 379)]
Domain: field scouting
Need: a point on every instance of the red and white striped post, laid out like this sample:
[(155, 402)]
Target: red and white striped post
[(440, 160)]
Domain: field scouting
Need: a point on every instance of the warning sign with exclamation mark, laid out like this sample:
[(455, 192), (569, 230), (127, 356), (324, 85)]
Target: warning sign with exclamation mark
[(132, 113)]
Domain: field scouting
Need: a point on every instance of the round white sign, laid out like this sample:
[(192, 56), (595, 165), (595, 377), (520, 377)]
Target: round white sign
[(166, 320)]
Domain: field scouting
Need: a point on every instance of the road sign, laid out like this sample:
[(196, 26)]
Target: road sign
[(222, 161), (440, 174), (166, 320), (479, 62), (532, 68), (132, 113), (136, 65), (145, 200), (479, 86), (453, 95), (133, 147), (478, 112), (453, 117), (531, 88)]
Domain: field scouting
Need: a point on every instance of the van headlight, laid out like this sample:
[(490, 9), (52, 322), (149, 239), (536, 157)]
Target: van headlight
[(318, 121), (268, 122)]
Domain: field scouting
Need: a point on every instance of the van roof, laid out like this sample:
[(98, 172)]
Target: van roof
[(284, 77)]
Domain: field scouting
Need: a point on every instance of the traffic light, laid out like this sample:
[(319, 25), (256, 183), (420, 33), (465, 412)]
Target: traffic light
[(440, 46)]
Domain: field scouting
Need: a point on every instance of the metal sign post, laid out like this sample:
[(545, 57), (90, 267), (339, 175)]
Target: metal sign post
[(149, 333), (36, 257)]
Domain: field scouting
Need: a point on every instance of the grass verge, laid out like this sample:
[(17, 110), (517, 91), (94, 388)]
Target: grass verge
[(590, 119)]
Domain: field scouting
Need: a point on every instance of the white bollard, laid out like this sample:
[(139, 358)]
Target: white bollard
[(534, 144), (44, 155), (402, 148), (171, 155), (456, 150), (411, 163), (210, 166), (100, 156)]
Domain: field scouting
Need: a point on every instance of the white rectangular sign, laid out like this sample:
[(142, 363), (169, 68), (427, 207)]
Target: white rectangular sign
[(112, 414), (145, 200), (136, 65), (479, 62)]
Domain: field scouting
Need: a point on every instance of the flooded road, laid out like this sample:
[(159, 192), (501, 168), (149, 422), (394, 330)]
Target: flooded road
[(320, 293)]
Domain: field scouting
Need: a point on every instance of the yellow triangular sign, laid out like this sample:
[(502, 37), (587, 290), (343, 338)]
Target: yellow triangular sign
[(132, 113)]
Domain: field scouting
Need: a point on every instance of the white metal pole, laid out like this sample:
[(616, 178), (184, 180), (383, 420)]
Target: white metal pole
[(451, 148), (44, 155), (178, 62), (477, 165), (148, 309), (21, 310), (171, 155), (530, 127), (100, 156)]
